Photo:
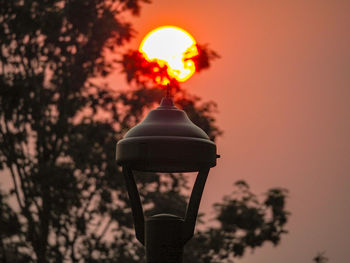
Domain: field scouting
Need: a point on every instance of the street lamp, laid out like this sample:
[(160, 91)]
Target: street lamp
[(165, 141)]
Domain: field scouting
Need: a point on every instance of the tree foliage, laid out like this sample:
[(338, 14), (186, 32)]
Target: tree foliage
[(320, 258), (58, 130), (243, 222)]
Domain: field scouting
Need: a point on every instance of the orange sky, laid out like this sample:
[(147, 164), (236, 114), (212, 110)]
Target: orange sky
[(282, 86)]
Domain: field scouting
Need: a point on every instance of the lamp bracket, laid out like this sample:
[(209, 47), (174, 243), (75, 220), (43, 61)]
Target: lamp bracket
[(191, 211), (136, 206), (193, 205)]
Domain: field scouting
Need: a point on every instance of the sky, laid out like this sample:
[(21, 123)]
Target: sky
[(282, 86)]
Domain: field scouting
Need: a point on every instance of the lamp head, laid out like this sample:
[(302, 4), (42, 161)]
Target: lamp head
[(166, 141)]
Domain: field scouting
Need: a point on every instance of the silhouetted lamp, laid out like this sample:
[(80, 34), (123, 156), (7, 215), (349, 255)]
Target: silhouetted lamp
[(165, 141)]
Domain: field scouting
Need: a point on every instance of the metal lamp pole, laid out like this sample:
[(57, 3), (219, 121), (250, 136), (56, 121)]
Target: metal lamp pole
[(165, 141)]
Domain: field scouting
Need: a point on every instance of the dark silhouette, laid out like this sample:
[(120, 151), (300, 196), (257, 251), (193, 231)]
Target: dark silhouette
[(321, 258), (58, 128)]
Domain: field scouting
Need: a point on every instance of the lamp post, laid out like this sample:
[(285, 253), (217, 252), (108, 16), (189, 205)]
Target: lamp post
[(165, 141)]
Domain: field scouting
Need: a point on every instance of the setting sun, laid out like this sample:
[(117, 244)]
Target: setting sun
[(172, 47)]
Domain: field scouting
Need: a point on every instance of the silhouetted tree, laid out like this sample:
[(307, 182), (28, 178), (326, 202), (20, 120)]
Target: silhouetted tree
[(244, 222), (320, 258), (58, 130)]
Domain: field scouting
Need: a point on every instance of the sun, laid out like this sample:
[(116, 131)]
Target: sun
[(172, 47)]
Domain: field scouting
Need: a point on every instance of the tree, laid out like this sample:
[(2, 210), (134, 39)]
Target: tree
[(320, 258), (244, 222), (58, 131)]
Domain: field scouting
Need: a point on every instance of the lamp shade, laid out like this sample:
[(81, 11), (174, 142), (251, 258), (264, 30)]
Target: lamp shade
[(166, 141)]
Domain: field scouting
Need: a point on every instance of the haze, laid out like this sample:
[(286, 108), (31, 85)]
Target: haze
[(282, 87)]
